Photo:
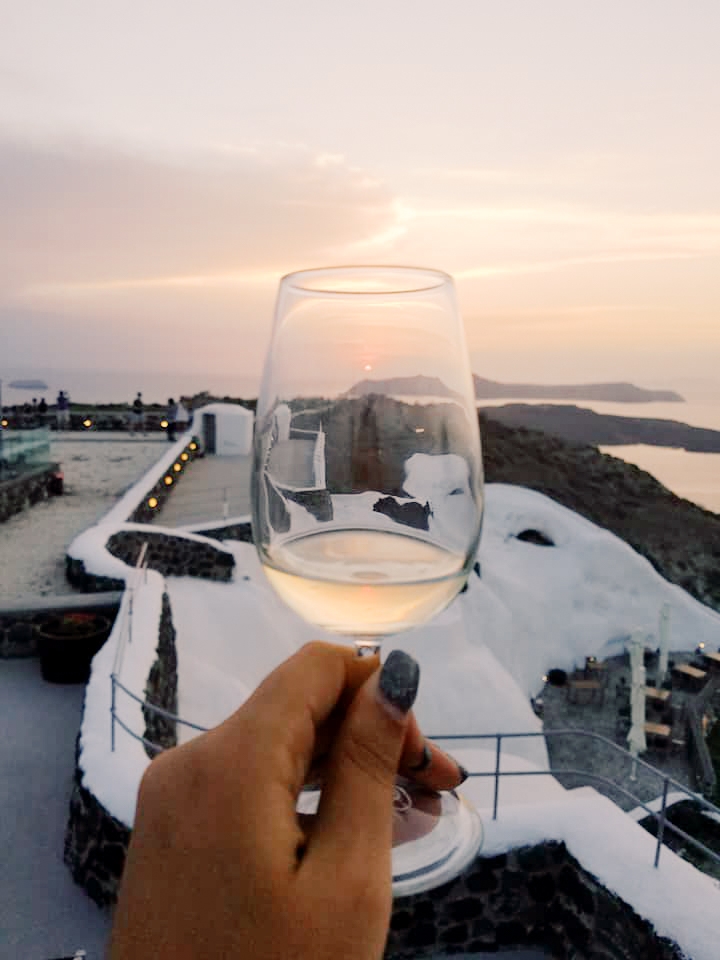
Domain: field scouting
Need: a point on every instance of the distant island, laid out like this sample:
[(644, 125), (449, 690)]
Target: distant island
[(580, 425), (28, 385), (399, 386), (609, 392), (420, 385)]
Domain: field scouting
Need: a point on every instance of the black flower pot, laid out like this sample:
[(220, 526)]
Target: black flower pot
[(68, 643)]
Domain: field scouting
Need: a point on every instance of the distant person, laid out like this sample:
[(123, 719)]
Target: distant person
[(137, 419), (62, 411), (42, 411), (171, 417)]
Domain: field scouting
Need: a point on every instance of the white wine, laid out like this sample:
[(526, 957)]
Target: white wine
[(364, 582)]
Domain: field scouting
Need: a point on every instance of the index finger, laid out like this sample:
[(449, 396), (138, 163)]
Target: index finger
[(285, 713)]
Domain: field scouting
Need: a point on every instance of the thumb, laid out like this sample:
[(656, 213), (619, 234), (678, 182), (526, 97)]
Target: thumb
[(353, 827)]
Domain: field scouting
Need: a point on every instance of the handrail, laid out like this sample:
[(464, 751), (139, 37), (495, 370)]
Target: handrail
[(154, 708), (660, 815), (125, 630)]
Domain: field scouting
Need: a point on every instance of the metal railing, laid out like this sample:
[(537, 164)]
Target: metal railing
[(660, 815), (665, 781), (124, 627), (146, 705)]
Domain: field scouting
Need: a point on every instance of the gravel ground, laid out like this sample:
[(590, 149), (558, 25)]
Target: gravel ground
[(98, 469), (604, 718)]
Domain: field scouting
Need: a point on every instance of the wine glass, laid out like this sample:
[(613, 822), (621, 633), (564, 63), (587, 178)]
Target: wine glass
[(367, 487)]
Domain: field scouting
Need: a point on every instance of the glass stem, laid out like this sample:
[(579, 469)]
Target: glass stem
[(367, 646)]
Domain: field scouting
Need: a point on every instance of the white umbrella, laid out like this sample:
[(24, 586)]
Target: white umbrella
[(636, 737), (663, 643)]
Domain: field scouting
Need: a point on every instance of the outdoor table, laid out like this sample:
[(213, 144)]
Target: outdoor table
[(690, 671), (714, 658), (653, 693), (590, 687), (660, 730)]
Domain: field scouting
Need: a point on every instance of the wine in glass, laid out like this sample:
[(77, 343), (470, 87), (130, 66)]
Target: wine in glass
[(367, 485)]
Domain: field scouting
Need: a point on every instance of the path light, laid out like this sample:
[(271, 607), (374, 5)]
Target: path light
[(184, 456), (164, 424), (152, 502), (168, 481), (176, 467), (193, 446), (3, 423), (87, 423)]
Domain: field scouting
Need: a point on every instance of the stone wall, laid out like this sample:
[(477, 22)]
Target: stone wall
[(96, 844), (151, 500), (18, 625), (18, 636), (233, 531), (27, 489), (537, 896), (77, 575), (161, 687), (172, 554)]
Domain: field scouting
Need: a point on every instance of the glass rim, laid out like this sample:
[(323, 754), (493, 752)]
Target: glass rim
[(418, 280)]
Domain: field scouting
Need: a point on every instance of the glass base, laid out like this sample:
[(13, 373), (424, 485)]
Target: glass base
[(435, 835)]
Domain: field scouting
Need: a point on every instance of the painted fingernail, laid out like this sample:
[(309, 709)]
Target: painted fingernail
[(425, 761), (463, 773), (399, 679)]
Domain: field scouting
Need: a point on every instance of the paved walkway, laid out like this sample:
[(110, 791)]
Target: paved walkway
[(606, 718), (107, 436), (212, 489), (42, 912)]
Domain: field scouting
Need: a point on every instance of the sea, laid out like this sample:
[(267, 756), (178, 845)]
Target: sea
[(694, 476)]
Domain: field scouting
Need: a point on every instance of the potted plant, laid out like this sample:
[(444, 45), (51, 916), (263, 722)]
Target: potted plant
[(67, 642)]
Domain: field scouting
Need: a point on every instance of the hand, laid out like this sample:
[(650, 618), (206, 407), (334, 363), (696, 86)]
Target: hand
[(219, 865)]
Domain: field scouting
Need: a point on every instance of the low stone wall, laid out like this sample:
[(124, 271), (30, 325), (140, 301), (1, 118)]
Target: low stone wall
[(77, 575), (537, 896), (234, 531), (18, 635), (18, 624), (172, 554), (151, 500), (96, 844), (161, 690), (27, 489)]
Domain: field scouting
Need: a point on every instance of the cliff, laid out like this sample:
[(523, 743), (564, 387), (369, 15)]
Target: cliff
[(680, 539), (579, 425)]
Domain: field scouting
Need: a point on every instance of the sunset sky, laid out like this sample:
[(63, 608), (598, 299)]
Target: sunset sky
[(164, 162)]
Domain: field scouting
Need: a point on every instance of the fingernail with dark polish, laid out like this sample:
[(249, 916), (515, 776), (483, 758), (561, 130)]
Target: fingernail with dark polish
[(399, 679), (463, 773), (425, 760)]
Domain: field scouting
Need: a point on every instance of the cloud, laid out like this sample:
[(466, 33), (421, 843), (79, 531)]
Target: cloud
[(80, 216)]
